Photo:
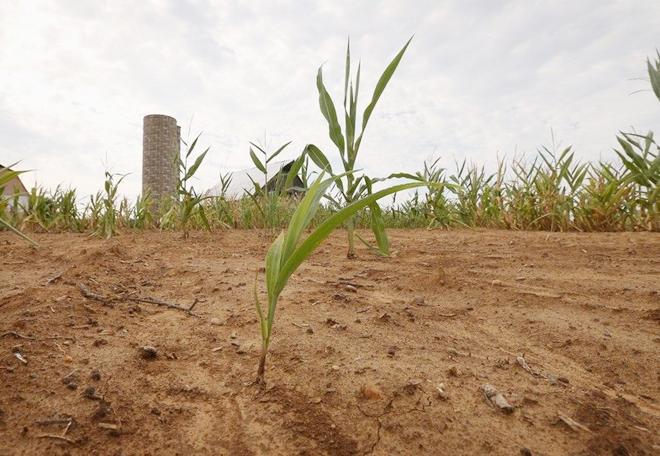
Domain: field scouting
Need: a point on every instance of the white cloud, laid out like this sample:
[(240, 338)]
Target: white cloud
[(480, 78)]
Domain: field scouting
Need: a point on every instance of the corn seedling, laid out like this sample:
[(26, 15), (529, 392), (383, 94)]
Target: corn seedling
[(268, 196), (289, 250), (188, 203), (142, 211), (6, 176), (108, 215), (352, 187)]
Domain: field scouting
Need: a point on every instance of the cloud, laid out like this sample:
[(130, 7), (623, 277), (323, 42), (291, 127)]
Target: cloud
[(481, 78)]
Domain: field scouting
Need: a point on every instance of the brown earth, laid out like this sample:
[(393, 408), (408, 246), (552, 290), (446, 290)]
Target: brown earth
[(360, 349)]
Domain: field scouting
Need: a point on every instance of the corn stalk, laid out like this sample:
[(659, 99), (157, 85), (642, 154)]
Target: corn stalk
[(352, 186)]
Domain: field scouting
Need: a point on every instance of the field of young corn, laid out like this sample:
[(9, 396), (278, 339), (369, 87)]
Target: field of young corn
[(532, 332), (553, 193)]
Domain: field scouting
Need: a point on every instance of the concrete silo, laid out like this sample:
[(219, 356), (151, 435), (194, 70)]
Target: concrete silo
[(161, 146)]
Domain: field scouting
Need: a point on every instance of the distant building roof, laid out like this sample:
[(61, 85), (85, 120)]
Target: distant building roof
[(242, 180)]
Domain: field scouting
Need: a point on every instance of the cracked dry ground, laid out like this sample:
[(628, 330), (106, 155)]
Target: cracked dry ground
[(360, 350)]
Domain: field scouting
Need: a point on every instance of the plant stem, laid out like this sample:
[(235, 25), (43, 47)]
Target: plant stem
[(262, 367), (350, 228)]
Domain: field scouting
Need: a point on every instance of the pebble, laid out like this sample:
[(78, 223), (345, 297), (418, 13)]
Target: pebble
[(148, 352), (419, 301)]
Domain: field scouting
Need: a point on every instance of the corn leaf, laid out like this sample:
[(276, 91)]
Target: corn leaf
[(277, 152), (17, 232), (305, 249), (329, 112), (260, 166), (380, 87)]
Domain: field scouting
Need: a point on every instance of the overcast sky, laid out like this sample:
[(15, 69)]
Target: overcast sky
[(480, 79)]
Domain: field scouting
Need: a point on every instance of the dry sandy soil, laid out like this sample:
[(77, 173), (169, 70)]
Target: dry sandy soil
[(370, 356)]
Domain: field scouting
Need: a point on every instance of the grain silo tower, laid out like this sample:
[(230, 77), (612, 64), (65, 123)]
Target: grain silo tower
[(161, 146)]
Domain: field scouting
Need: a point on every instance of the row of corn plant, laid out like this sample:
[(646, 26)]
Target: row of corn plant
[(554, 192)]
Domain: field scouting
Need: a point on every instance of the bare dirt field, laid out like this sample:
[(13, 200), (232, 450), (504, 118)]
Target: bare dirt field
[(369, 356)]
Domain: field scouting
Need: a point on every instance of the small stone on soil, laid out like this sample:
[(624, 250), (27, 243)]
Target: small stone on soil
[(441, 393), (148, 352), (419, 301)]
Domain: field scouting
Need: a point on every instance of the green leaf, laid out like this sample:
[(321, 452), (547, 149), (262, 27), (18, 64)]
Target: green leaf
[(277, 152), (306, 248), (202, 216), (378, 227), (378, 91), (654, 75), (318, 158), (192, 146), (257, 162), (193, 169), (348, 69), (293, 172), (7, 174), (17, 232), (330, 114), (377, 223)]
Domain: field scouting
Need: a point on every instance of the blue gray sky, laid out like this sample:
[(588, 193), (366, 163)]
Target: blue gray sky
[(481, 79)]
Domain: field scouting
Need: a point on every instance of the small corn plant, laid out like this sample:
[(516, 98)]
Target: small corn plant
[(348, 144), (6, 176), (291, 248), (640, 155), (109, 215), (269, 197), (187, 203), (142, 211)]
